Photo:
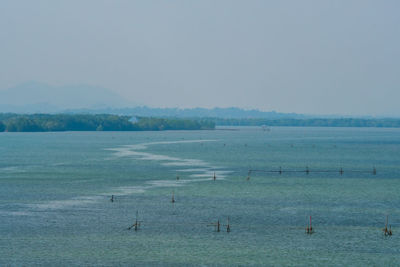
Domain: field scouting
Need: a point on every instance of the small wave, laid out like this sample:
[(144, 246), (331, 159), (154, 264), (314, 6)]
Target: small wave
[(59, 164), (12, 169), (127, 190), (210, 174), (193, 170), (62, 204), (166, 183), (186, 162), (14, 213), (174, 142)]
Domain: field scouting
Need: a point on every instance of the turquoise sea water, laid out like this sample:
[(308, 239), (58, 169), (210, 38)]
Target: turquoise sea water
[(55, 190)]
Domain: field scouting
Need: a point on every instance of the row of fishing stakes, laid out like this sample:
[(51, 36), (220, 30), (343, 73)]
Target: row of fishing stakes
[(308, 230), (386, 231), (308, 171), (217, 226), (136, 225)]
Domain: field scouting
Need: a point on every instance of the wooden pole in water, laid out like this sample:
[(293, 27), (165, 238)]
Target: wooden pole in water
[(136, 221), (385, 230), (217, 225), (136, 224), (387, 220), (309, 229)]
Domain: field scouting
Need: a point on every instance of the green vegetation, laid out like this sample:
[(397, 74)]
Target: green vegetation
[(158, 124), (2, 127), (103, 122), (10, 122), (325, 122)]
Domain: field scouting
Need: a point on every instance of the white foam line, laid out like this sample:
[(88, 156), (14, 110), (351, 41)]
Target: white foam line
[(209, 177), (129, 190), (132, 151), (203, 169), (175, 142), (204, 179), (194, 170), (15, 213), (145, 145), (203, 175), (165, 183), (126, 190), (223, 172), (62, 204), (12, 169), (186, 162)]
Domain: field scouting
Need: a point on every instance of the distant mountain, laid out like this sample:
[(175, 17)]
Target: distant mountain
[(226, 113), (35, 97)]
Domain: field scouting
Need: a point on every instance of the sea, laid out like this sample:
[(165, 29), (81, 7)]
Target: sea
[(265, 183)]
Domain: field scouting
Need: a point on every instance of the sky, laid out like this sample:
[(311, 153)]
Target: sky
[(313, 57)]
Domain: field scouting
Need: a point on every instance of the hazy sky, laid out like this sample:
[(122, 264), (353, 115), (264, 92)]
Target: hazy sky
[(319, 57)]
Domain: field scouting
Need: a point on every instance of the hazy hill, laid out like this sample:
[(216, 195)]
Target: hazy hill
[(36, 97), (191, 113), (40, 97)]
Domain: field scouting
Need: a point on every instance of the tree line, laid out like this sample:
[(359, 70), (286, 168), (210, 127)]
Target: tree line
[(99, 122), (11, 122)]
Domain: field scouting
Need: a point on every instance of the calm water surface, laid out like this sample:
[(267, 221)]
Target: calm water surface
[(55, 190)]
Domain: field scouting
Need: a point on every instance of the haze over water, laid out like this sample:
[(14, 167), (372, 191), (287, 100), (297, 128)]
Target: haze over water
[(55, 191), (310, 56)]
